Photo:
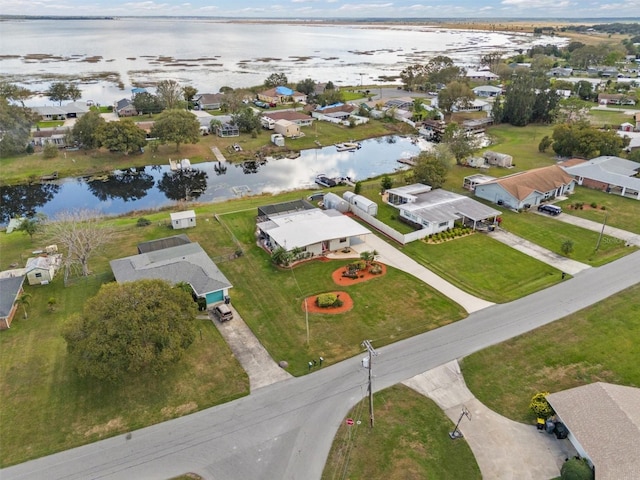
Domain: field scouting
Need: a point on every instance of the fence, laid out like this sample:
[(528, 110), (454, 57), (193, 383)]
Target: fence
[(387, 230)]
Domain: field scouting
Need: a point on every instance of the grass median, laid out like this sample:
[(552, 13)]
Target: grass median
[(410, 440)]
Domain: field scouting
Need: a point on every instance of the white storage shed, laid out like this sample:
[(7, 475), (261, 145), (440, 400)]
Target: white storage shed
[(333, 201), (186, 219)]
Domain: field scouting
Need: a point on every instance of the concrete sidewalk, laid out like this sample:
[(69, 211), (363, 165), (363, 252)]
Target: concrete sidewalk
[(254, 358), (504, 449), (629, 238), (563, 264), (390, 255)]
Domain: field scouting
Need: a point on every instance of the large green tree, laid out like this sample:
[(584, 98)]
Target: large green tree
[(59, 91), (306, 86), (276, 80), (86, 130), (459, 142), (123, 136), (432, 167), (176, 126), (455, 94), (131, 328), (171, 94), (147, 103), (246, 120), (15, 127), (582, 140), (519, 100)]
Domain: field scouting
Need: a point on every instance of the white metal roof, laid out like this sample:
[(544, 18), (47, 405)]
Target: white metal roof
[(612, 170), (183, 215), (310, 227)]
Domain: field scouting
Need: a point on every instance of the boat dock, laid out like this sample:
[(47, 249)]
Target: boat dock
[(218, 154)]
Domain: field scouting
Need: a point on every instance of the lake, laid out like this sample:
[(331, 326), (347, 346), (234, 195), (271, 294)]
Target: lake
[(108, 57), (156, 186)]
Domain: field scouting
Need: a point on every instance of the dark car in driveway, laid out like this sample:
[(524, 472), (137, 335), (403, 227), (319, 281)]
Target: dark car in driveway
[(550, 209)]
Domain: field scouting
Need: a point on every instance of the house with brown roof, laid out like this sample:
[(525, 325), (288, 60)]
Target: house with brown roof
[(615, 99), (529, 188), (603, 420), (280, 95)]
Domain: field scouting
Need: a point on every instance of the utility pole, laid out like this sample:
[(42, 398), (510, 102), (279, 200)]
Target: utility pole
[(604, 223), (372, 352)]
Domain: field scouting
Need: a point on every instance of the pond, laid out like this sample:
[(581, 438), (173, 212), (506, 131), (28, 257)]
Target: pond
[(157, 186)]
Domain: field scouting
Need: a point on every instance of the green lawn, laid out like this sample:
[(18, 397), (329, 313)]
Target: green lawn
[(47, 408), (484, 267), (410, 440), (620, 212), (600, 118), (271, 300), (550, 233), (599, 343)]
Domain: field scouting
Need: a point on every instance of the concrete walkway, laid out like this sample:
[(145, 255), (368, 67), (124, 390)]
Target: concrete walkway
[(218, 154), (254, 358), (628, 237), (390, 255), (504, 449), (563, 264)]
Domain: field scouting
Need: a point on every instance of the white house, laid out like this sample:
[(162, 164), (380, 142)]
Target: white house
[(487, 91), (313, 231), (185, 219), (438, 210)]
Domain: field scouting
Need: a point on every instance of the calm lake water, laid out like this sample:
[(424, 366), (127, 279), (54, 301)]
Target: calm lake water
[(157, 186), (113, 55)]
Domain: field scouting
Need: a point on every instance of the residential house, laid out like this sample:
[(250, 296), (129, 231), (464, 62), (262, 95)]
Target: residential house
[(269, 119), (335, 113), (473, 106), (125, 108), (487, 91), (75, 109), (438, 210), (286, 128), (603, 421), (281, 94), (50, 113), (312, 231), (615, 99), (610, 174), (482, 75), (187, 263), (10, 291), (227, 130), (209, 101), (185, 219), (560, 72), (41, 270), (529, 188), (55, 135), (161, 243)]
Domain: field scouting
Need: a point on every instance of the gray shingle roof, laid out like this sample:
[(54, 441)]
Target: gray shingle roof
[(9, 288), (605, 420), (612, 170), (183, 263)]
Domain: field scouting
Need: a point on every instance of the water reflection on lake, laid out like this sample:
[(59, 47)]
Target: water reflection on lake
[(157, 186)]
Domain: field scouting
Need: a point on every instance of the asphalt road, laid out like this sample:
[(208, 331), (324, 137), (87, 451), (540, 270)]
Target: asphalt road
[(285, 430)]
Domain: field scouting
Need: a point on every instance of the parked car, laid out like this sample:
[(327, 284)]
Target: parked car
[(550, 209), (223, 312)]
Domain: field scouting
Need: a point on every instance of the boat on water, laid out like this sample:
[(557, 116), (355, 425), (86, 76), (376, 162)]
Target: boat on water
[(184, 164), (348, 146), (324, 181)]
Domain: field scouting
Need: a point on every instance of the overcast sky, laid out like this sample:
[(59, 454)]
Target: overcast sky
[(331, 8)]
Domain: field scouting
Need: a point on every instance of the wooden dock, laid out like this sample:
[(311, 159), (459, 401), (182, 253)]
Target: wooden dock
[(218, 154)]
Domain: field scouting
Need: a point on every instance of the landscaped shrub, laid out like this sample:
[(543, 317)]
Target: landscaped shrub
[(143, 222), (50, 150), (375, 269), (594, 205), (576, 469), (357, 265), (328, 300), (603, 207), (540, 406)]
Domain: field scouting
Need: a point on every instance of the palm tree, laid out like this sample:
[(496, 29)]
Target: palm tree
[(23, 300), (280, 257)]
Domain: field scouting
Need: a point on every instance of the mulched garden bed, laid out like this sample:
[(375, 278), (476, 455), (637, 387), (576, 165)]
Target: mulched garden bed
[(347, 304), (363, 275)]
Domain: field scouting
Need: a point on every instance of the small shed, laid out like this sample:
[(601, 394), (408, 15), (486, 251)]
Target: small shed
[(363, 203), (41, 270), (287, 128), (333, 201), (186, 219), (277, 139), (626, 127), (498, 159)]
